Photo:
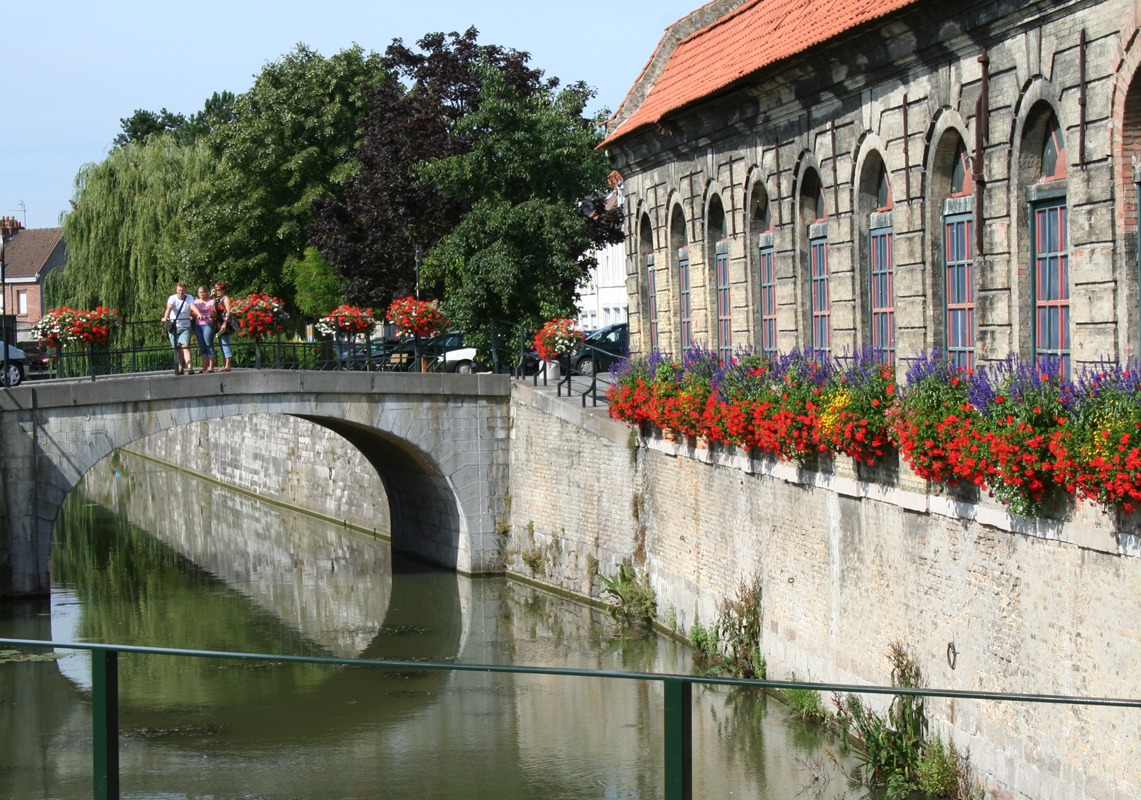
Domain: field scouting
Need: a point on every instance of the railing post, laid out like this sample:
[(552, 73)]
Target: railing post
[(277, 352), (337, 348), (105, 723), (494, 350), (679, 738), (91, 359), (257, 352)]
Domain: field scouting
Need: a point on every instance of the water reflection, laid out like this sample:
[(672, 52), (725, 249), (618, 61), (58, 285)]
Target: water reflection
[(228, 572)]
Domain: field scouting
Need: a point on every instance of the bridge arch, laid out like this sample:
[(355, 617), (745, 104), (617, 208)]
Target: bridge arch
[(438, 443)]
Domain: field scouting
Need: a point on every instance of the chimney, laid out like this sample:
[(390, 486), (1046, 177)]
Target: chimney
[(9, 226)]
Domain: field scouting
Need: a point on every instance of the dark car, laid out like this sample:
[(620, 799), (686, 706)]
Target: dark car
[(15, 373), (602, 349), (402, 357)]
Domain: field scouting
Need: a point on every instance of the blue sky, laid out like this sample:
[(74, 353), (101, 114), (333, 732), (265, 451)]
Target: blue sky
[(70, 70)]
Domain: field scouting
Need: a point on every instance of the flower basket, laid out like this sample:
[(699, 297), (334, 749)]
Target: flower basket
[(347, 321), (558, 337), (258, 315), (68, 327), (414, 317)]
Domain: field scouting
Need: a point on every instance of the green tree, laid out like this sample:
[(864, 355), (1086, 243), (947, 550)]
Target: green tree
[(385, 211), (290, 141), (143, 123), (127, 225), (533, 178), (318, 289), (218, 110)]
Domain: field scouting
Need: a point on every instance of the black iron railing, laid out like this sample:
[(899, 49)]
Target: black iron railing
[(136, 347)]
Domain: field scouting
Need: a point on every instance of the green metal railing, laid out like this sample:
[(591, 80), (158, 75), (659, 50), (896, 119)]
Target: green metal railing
[(678, 691)]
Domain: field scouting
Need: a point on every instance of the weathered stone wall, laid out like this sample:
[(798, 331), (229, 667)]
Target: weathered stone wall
[(571, 492), (902, 92), (849, 567), (285, 459)]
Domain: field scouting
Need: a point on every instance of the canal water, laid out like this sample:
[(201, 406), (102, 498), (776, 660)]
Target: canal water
[(147, 555)]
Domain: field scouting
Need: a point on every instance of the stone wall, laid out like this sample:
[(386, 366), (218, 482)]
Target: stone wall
[(849, 563), (850, 566), (284, 459)]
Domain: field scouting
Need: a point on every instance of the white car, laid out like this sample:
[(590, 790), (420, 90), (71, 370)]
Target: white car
[(16, 359), (461, 361)]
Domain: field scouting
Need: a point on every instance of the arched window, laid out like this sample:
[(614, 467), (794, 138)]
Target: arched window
[(646, 250), (719, 233), (1049, 242), (958, 261), (680, 247), (881, 265), (814, 213), (762, 230)]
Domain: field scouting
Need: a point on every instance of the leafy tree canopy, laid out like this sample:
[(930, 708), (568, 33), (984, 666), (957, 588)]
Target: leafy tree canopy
[(218, 110), (491, 169), (370, 233), (290, 140), (531, 182), (318, 289)]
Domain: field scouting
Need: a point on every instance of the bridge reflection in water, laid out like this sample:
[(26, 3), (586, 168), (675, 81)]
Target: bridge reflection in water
[(151, 556)]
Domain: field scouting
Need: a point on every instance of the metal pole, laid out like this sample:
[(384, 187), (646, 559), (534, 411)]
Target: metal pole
[(679, 739), (105, 723), (4, 315), (417, 272), (494, 350)]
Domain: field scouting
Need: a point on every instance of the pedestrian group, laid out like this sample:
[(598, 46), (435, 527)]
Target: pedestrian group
[(209, 318)]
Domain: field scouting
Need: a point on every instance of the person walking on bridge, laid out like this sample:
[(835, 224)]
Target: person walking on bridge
[(225, 324), (177, 319), (205, 322)]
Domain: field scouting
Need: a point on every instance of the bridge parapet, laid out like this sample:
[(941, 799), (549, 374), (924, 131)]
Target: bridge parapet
[(439, 443)]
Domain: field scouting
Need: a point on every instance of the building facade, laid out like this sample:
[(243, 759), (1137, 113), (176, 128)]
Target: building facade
[(604, 300), (30, 255), (902, 175)]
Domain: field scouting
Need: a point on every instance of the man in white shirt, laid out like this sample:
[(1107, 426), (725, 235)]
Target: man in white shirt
[(178, 311)]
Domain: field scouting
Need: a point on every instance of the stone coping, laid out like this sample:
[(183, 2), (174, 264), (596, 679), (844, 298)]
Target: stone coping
[(1088, 528), (168, 386), (593, 419)]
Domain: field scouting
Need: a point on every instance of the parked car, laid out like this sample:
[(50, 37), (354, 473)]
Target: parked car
[(402, 358), (16, 367), (36, 357), (467, 360), (602, 349)]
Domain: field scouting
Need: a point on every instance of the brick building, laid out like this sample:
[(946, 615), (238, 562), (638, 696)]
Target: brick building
[(30, 255), (900, 174)]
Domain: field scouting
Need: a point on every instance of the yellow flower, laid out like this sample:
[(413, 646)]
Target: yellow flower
[(830, 416)]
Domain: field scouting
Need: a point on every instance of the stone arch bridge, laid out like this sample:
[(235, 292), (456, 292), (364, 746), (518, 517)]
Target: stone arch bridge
[(438, 442)]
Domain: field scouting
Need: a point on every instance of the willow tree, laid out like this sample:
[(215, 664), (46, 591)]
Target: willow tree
[(126, 231)]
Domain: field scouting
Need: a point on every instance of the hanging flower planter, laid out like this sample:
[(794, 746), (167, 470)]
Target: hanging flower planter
[(414, 317), (347, 321)]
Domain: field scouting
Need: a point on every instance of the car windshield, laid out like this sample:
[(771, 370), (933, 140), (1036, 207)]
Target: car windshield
[(605, 335)]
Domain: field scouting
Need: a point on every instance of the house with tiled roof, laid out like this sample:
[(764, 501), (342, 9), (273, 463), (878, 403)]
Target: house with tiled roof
[(901, 176), (30, 255)]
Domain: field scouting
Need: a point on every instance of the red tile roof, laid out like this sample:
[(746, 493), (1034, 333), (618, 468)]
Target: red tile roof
[(753, 36), (26, 253)]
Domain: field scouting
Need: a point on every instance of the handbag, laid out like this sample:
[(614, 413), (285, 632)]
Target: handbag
[(225, 327), (172, 324)]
